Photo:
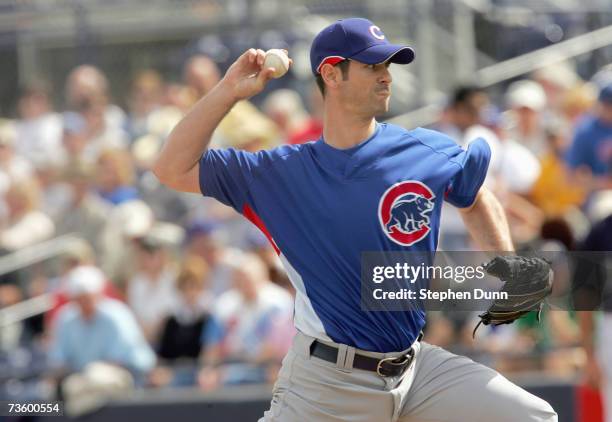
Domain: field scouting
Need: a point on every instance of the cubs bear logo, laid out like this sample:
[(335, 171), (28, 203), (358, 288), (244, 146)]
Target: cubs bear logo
[(403, 212)]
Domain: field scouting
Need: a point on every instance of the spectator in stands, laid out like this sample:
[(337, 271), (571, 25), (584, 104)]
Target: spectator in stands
[(74, 140), (96, 329), (176, 100), (180, 341), (250, 327), (13, 167), (201, 73), (516, 167), (55, 195), (248, 129), (126, 222), (86, 213), (578, 101), (25, 224), (167, 204), (512, 171), (39, 129), (87, 93), (526, 101), (591, 149), (244, 127), (258, 244), (151, 292), (461, 121), (180, 96), (204, 239), (115, 176), (463, 115), (512, 167), (556, 192), (146, 96), (557, 80), (286, 109), (78, 253), (182, 329)]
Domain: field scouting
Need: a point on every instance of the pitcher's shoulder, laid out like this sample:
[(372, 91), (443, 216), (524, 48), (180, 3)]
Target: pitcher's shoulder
[(284, 152), (438, 141)]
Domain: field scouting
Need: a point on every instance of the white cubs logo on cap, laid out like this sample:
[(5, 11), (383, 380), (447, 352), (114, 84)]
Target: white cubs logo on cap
[(376, 32)]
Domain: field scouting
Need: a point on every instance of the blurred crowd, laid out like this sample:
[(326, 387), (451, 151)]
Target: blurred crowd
[(551, 168), (176, 289), (163, 289)]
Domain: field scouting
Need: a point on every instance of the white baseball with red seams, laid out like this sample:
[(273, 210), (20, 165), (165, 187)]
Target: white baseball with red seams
[(277, 59)]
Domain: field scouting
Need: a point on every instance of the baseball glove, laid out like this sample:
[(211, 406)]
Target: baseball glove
[(527, 283)]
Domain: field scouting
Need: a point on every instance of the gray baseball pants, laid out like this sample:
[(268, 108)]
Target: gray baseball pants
[(438, 387)]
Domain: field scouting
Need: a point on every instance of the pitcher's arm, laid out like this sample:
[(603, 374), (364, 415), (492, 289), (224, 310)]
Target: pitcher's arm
[(177, 165), (486, 222)]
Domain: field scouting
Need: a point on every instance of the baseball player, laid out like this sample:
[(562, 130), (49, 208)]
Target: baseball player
[(324, 202)]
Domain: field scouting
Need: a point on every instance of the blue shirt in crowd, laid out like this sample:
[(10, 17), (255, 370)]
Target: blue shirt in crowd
[(120, 195), (112, 336), (592, 146)]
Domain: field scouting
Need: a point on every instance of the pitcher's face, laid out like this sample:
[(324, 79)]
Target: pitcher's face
[(367, 89)]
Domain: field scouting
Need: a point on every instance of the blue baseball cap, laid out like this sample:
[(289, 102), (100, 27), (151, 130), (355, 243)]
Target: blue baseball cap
[(358, 39), (605, 95)]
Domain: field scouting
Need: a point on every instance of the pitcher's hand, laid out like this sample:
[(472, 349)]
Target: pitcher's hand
[(247, 77)]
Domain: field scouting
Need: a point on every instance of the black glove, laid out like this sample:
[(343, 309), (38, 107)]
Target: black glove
[(527, 282)]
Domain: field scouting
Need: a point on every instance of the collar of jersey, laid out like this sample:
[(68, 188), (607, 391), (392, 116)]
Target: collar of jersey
[(347, 159)]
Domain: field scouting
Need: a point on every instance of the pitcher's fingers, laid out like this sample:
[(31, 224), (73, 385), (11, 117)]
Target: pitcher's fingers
[(252, 53), (248, 56), (265, 75), (261, 57)]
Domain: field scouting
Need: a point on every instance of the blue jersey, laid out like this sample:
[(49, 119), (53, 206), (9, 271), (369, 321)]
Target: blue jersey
[(321, 207)]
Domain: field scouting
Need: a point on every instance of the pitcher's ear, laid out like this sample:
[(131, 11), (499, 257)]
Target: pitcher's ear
[(331, 75)]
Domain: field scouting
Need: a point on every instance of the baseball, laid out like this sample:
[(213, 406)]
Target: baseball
[(277, 59)]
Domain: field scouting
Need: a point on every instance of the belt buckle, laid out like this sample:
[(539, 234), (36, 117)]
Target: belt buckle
[(405, 360)]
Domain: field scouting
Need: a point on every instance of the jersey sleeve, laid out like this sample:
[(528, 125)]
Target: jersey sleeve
[(225, 175), (465, 184)]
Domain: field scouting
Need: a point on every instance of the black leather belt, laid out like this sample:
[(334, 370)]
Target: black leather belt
[(388, 367)]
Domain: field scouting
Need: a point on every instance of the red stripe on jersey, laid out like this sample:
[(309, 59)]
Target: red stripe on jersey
[(248, 212)]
